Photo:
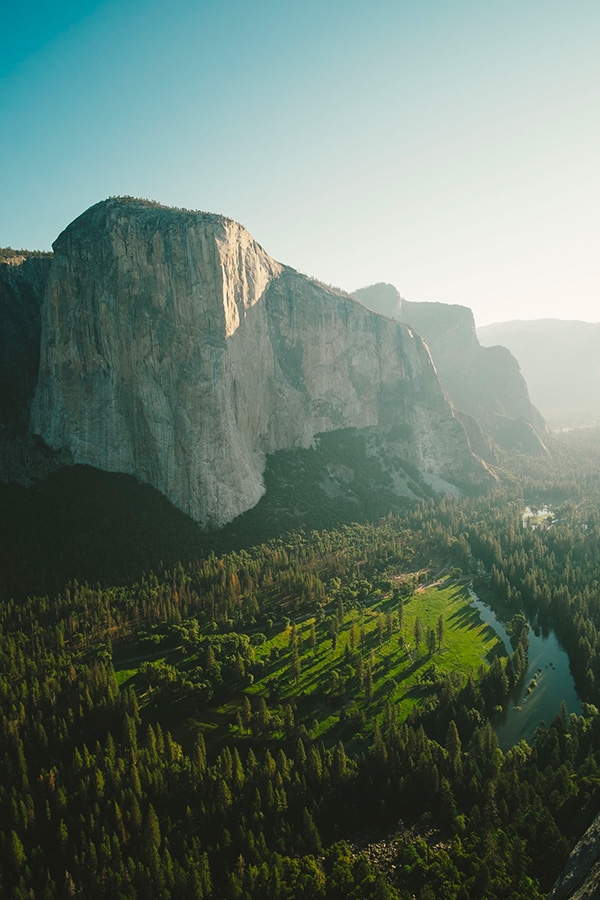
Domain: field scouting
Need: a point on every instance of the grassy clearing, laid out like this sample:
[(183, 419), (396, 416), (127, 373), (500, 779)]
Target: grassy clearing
[(349, 665), (123, 675)]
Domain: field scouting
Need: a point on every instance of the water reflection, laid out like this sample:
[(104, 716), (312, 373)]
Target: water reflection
[(546, 683)]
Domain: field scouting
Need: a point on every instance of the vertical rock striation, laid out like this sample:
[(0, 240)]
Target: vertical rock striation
[(175, 349)]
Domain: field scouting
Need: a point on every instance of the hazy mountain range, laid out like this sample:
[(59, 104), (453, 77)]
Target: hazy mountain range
[(486, 387), (561, 364)]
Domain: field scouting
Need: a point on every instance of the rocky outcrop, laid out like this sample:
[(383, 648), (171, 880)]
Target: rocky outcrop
[(22, 284), (175, 349), (580, 879), (382, 298), (481, 443), (483, 382)]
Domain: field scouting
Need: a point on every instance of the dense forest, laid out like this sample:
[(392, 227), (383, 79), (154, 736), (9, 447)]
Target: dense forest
[(308, 715)]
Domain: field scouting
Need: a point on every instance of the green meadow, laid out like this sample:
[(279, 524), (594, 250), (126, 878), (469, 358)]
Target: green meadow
[(329, 675)]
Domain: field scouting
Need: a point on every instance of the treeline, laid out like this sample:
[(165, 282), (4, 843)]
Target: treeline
[(551, 572), (99, 799), (7, 253), (243, 587), (97, 802)]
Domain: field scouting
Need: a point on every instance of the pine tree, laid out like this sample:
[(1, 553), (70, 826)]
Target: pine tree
[(310, 835), (440, 631), (418, 632)]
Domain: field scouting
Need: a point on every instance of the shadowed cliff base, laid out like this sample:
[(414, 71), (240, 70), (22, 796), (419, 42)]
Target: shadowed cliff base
[(84, 524)]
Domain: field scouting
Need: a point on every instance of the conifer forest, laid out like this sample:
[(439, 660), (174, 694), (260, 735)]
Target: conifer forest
[(308, 712)]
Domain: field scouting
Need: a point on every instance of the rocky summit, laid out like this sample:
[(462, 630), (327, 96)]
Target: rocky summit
[(174, 348)]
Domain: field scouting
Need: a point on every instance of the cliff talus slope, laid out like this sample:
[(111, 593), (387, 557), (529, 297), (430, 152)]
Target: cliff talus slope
[(175, 349)]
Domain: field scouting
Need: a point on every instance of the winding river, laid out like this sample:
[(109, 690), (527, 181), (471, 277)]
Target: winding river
[(546, 683)]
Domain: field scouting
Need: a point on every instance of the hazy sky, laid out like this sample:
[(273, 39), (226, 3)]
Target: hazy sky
[(451, 148)]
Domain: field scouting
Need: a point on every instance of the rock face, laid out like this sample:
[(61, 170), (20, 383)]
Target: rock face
[(580, 879), (175, 349), (22, 284), (483, 382)]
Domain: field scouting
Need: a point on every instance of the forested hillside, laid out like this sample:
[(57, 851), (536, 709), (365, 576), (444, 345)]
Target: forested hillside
[(308, 716)]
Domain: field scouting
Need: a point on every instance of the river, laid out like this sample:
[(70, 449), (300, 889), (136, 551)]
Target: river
[(546, 683)]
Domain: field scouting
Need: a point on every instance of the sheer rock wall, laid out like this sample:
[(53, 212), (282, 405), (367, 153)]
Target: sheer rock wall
[(175, 349)]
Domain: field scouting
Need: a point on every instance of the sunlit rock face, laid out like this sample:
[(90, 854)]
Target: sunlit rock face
[(175, 349)]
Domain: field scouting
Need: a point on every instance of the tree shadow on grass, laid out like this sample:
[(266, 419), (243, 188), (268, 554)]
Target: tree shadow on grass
[(467, 617)]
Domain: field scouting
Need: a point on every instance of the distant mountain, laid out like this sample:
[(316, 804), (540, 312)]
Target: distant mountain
[(485, 385), (561, 363)]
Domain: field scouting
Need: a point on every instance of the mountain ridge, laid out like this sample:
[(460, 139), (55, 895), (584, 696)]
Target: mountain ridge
[(483, 383)]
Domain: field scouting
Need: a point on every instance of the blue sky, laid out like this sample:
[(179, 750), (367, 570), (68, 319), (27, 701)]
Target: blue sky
[(450, 148)]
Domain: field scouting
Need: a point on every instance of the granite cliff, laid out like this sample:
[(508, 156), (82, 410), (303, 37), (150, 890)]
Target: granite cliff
[(23, 280), (580, 878), (175, 349), (485, 384)]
